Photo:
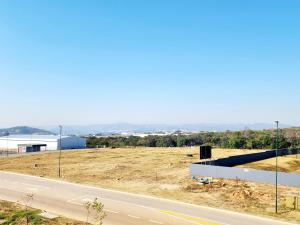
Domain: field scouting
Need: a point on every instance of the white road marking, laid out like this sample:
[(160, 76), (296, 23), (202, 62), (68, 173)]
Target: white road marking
[(23, 187), (81, 200), (38, 187), (154, 221), (85, 200), (23, 191), (75, 203), (32, 189), (136, 217), (110, 211)]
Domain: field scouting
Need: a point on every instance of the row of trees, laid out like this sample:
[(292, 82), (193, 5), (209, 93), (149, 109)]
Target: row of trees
[(248, 139)]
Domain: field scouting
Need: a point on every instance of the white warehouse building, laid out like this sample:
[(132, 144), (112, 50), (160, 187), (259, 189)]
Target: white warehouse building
[(29, 143)]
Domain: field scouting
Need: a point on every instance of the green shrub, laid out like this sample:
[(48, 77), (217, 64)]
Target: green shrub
[(29, 217)]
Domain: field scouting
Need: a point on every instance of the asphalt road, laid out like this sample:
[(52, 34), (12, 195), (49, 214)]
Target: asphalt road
[(67, 199)]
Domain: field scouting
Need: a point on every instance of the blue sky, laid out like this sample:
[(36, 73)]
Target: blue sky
[(89, 62)]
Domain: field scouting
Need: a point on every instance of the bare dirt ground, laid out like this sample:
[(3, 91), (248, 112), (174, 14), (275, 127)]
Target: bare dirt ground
[(290, 164), (161, 172)]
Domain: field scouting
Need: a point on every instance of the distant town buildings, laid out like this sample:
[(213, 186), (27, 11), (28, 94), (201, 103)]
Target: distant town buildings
[(142, 134)]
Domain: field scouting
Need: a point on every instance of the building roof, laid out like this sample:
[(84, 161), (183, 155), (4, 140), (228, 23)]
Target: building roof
[(32, 137)]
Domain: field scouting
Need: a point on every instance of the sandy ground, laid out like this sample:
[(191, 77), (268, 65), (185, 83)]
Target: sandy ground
[(159, 172), (290, 164)]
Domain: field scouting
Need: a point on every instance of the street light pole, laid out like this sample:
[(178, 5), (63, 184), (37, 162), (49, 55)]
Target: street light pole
[(277, 134), (59, 158), (7, 144)]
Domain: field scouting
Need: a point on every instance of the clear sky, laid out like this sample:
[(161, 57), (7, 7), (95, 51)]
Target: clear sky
[(89, 62)]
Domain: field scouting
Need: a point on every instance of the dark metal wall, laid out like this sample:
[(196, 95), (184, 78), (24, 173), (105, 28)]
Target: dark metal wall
[(248, 158)]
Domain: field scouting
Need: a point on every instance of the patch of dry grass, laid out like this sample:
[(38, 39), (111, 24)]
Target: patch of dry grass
[(8, 209), (290, 164), (162, 172)]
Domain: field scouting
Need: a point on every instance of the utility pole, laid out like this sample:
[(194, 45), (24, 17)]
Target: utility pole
[(277, 134), (59, 158), (7, 144)]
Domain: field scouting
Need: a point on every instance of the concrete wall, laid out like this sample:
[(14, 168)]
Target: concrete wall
[(289, 179)]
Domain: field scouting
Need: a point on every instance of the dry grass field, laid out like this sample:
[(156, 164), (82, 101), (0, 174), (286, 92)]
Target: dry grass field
[(290, 164), (161, 172)]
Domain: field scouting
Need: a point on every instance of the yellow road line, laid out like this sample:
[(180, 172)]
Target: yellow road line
[(190, 218)]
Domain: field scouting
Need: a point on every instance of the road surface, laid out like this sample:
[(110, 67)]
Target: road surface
[(67, 199)]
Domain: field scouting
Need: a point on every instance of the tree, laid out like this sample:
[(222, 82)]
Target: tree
[(150, 141), (237, 141), (97, 209), (264, 139), (181, 141), (27, 200)]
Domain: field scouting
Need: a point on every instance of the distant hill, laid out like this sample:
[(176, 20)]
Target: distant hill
[(23, 130)]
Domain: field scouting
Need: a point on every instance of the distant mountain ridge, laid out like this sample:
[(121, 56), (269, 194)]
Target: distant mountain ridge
[(152, 128), (23, 130)]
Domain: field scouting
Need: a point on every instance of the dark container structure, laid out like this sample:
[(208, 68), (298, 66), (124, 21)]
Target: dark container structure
[(205, 152)]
